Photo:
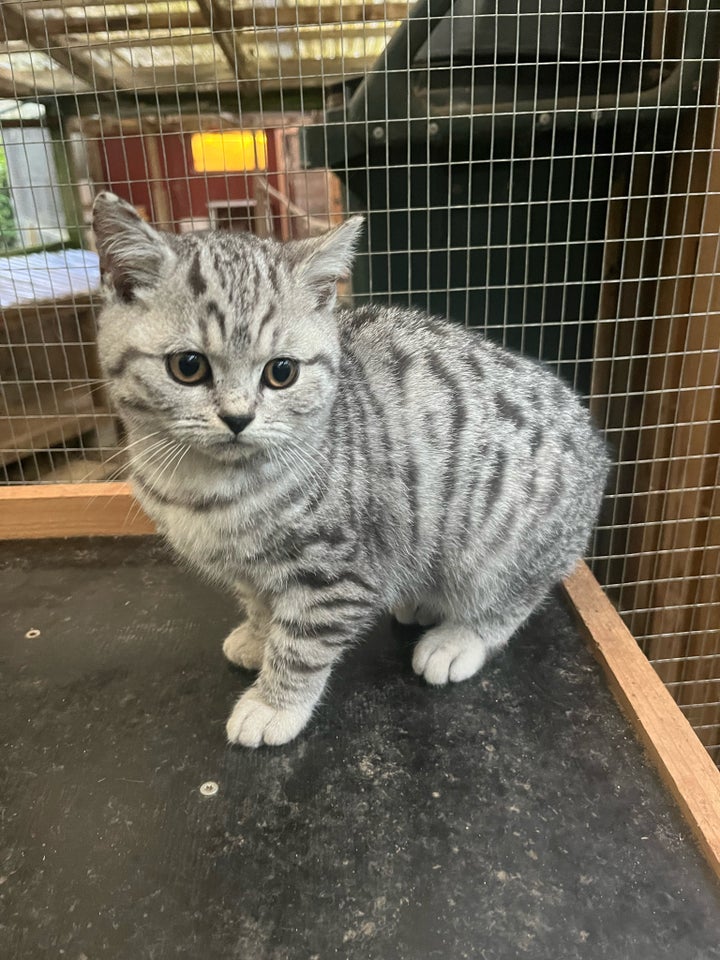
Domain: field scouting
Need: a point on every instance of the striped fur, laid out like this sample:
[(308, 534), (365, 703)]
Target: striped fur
[(413, 467)]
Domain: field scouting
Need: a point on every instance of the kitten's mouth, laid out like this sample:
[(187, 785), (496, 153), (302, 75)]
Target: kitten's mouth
[(229, 449)]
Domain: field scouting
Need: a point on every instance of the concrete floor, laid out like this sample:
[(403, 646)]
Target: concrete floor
[(510, 816)]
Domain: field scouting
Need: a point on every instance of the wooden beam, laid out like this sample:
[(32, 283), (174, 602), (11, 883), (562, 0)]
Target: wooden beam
[(106, 125), (70, 510), (221, 22), (60, 4), (319, 13), (19, 27), (162, 208), (682, 761), (89, 22)]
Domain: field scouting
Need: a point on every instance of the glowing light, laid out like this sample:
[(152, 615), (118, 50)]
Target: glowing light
[(229, 151)]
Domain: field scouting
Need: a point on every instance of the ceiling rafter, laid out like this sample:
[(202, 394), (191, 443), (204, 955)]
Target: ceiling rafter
[(221, 24), (94, 41), (318, 14), (19, 27), (89, 22)]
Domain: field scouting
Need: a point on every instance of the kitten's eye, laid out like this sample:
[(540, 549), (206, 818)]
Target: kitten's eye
[(189, 368), (280, 373)]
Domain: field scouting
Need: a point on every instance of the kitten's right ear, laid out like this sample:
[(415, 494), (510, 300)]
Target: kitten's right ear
[(132, 254)]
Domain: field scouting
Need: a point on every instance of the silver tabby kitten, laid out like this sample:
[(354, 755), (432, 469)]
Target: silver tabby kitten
[(330, 465)]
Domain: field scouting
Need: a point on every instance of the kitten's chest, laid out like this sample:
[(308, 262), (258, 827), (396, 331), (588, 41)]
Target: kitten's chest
[(224, 534), (209, 529)]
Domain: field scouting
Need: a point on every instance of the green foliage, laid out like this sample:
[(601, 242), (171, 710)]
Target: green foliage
[(8, 229)]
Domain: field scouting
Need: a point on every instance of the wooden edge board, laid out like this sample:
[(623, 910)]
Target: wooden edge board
[(684, 765), (70, 510)]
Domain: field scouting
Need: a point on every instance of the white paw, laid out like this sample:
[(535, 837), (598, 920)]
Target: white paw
[(254, 722), (448, 653), (244, 648), (410, 614)]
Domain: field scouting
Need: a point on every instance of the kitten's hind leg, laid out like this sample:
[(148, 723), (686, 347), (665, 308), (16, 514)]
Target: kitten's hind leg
[(452, 652), (245, 645), (411, 613)]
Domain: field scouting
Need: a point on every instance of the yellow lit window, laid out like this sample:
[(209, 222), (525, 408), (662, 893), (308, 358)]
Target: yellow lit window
[(229, 151)]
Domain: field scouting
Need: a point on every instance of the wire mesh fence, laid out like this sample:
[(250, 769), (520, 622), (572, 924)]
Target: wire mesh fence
[(547, 172)]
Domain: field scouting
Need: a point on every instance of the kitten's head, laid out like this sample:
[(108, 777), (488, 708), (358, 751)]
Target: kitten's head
[(224, 341)]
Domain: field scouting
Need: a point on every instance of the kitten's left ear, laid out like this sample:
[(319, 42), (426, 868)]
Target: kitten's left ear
[(322, 261)]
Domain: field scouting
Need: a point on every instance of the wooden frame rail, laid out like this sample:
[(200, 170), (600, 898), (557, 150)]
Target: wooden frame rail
[(70, 510), (682, 761)]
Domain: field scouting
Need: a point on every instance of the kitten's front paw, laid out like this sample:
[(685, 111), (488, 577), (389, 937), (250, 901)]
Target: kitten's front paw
[(244, 648), (254, 722)]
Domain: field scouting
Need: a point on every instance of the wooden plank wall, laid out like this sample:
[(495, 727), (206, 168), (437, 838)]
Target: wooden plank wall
[(657, 377), (686, 618)]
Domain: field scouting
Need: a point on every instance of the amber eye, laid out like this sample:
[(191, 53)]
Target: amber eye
[(280, 373), (189, 368)]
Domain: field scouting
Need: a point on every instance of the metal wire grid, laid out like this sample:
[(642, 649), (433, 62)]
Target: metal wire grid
[(125, 86)]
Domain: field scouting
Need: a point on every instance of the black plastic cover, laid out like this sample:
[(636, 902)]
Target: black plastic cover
[(532, 31)]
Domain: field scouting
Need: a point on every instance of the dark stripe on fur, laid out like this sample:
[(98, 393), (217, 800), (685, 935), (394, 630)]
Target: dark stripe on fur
[(266, 318), (401, 361), (458, 420), (496, 479), (295, 664), (412, 482), (322, 360), (476, 366), (536, 438), (135, 403), (345, 604), (510, 410), (214, 311), (127, 357), (200, 504), (196, 280), (315, 631), (315, 579)]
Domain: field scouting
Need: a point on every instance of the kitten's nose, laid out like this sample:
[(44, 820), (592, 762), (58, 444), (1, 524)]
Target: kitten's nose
[(236, 424)]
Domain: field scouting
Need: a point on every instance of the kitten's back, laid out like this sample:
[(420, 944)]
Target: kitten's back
[(503, 455)]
